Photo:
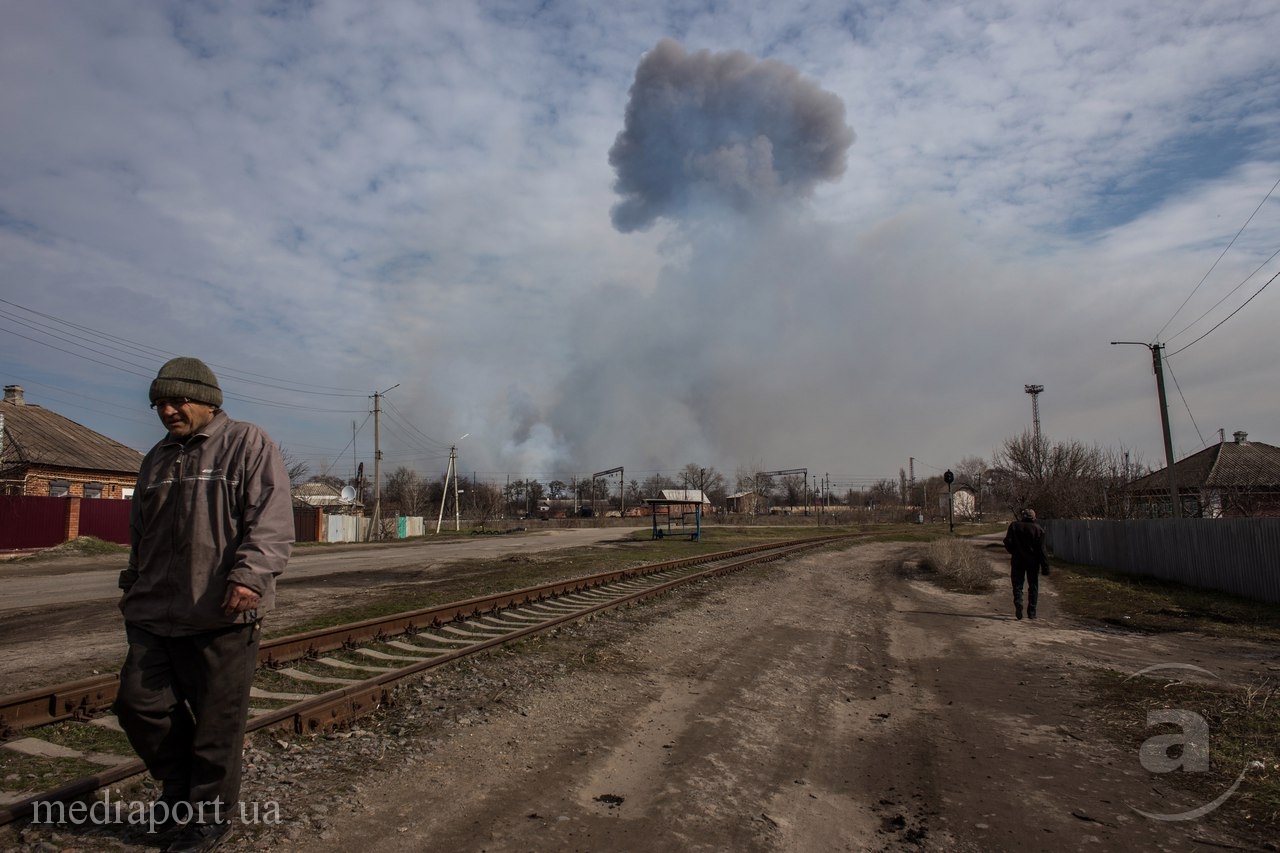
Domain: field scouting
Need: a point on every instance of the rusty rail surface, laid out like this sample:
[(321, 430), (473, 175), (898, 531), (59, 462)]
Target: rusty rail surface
[(90, 696), (81, 699)]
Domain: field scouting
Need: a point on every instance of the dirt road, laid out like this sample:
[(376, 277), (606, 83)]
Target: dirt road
[(826, 704), (832, 702)]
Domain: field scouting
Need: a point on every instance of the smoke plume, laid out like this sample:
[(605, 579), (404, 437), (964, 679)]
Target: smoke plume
[(721, 129)]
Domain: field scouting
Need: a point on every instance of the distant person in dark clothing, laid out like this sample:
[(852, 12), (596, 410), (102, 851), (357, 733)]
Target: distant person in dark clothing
[(1025, 543)]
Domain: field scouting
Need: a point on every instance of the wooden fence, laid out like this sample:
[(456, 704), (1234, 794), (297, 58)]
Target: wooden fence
[(1240, 556)]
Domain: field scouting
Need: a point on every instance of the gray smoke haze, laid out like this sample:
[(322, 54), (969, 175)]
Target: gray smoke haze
[(715, 361), (722, 129)]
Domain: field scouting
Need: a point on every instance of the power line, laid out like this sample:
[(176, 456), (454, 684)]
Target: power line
[(1184, 401), (339, 454), (78, 354), (1215, 263), (1228, 317), (408, 424), (259, 401), (101, 340), (1229, 294)]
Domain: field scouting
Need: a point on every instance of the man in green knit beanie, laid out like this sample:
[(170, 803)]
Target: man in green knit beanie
[(211, 528)]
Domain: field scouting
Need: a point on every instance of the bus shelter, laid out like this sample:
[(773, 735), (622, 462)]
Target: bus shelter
[(675, 517)]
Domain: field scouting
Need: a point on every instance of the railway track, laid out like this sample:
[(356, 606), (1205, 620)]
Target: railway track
[(321, 679)]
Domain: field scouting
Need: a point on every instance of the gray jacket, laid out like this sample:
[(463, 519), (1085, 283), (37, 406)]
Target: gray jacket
[(214, 510)]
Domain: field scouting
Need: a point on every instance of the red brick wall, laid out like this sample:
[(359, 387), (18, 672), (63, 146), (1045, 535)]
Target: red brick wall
[(36, 482)]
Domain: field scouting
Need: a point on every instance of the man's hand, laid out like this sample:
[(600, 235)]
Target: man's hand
[(239, 599)]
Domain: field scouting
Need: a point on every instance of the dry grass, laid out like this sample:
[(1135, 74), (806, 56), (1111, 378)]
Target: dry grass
[(1149, 605), (958, 566), (82, 546), (1244, 735)]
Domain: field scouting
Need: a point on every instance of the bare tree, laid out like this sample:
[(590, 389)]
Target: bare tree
[(1063, 479), (635, 494), (709, 481), (487, 500), (406, 492), (652, 486), (297, 468)]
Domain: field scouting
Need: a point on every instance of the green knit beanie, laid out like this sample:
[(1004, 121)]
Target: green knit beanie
[(187, 377)]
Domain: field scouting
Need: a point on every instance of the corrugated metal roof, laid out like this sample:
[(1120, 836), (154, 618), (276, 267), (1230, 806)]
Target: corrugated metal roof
[(316, 490), (34, 435), (693, 496), (1227, 465)]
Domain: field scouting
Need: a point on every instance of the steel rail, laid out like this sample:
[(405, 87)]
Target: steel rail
[(89, 696), (344, 704)]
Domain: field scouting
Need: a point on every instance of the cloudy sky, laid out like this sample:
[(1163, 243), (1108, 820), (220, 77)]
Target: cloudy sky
[(746, 235)]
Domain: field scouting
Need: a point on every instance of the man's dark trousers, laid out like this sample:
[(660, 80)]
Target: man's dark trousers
[(183, 702), (1031, 574)]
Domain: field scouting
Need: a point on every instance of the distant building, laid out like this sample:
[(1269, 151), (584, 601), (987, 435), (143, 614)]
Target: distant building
[(317, 494), (1231, 479), (745, 502), (964, 504), (45, 454)]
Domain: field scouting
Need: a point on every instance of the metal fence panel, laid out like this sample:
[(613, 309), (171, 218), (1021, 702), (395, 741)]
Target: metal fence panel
[(32, 522), (106, 519), (306, 523), (1236, 555)]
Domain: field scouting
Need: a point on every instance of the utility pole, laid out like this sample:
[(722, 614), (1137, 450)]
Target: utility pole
[(451, 471), (375, 527), (950, 478), (1175, 500)]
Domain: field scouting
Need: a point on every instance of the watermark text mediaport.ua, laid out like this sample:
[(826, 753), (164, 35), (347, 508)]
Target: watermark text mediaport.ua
[(153, 815)]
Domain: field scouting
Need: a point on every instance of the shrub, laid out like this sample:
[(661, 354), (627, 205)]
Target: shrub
[(958, 564)]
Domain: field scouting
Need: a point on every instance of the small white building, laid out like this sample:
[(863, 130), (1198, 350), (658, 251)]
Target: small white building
[(964, 503)]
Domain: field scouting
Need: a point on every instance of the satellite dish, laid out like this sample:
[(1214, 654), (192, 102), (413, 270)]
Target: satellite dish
[(348, 494)]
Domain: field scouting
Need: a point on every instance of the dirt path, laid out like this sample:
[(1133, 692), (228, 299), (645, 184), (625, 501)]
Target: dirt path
[(826, 705)]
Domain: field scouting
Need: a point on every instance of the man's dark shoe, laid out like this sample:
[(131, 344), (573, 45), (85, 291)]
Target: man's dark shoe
[(199, 838), (1031, 614), (168, 814), (1017, 610)]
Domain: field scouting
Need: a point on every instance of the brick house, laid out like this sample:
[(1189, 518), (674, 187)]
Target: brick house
[(44, 454)]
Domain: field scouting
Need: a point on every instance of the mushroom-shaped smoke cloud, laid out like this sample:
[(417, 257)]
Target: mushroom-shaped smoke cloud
[(714, 129)]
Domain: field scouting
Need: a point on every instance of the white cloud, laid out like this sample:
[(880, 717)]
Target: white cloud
[(418, 192)]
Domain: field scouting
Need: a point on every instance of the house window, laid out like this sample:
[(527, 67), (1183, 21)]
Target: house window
[(93, 490), (59, 488)]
